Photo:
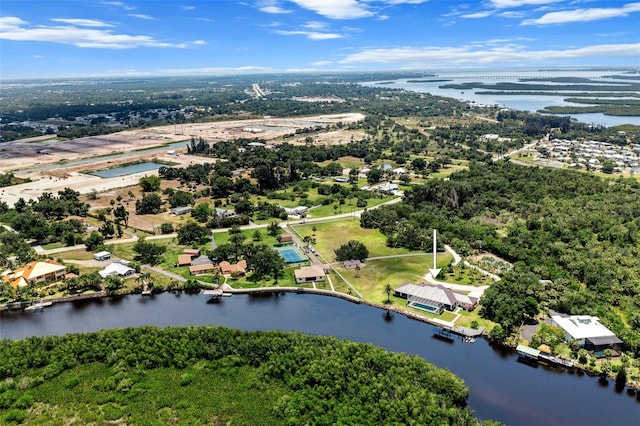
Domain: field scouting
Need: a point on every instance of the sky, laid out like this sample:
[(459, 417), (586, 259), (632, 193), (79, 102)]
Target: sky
[(71, 38)]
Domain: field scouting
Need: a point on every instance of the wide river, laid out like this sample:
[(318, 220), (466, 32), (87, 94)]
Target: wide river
[(501, 388), (518, 102)]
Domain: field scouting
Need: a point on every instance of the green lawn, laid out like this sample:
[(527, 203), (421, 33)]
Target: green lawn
[(331, 235), (376, 274)]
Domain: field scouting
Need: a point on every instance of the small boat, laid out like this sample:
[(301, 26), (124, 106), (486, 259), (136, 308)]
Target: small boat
[(38, 306)]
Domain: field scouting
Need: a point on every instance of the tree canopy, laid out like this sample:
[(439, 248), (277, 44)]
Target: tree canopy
[(352, 250)]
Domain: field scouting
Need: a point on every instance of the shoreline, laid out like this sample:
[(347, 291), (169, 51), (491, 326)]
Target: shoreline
[(320, 292)]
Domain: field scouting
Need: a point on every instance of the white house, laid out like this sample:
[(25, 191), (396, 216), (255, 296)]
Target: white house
[(586, 330), (308, 274), (117, 269)]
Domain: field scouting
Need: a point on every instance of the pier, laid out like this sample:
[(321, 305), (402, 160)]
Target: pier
[(531, 354)]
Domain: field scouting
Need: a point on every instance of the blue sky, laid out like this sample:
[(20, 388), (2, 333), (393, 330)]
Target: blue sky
[(70, 38)]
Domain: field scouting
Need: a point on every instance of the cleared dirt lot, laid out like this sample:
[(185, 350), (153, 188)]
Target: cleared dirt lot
[(25, 157)]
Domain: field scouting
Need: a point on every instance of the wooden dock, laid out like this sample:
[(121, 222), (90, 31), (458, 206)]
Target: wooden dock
[(532, 354)]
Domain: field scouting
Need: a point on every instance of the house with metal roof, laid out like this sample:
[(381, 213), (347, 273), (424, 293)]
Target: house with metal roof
[(586, 330), (435, 299), (102, 255), (117, 269)]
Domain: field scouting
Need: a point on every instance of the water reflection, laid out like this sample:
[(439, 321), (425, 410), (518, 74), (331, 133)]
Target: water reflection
[(500, 387)]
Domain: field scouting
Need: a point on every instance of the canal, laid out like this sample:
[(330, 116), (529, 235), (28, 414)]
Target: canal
[(501, 388)]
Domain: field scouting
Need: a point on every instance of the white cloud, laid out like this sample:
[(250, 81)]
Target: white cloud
[(584, 15), (315, 25), (14, 28), (142, 16), (336, 9), (511, 14), (312, 35), (477, 15), (271, 6), (188, 7), (504, 4), (404, 1), (321, 63), (82, 22), (119, 4), (199, 42), (429, 56)]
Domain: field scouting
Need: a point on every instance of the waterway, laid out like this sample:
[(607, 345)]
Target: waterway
[(517, 101), (128, 170), (109, 157), (501, 388)]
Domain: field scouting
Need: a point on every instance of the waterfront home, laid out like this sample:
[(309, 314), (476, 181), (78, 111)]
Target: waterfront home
[(36, 272), (227, 268), (201, 269), (117, 269), (434, 299), (308, 274), (587, 331)]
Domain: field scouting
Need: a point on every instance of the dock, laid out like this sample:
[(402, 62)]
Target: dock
[(532, 354), (38, 306), (215, 293)]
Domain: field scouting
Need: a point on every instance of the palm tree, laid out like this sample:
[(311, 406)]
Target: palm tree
[(387, 288)]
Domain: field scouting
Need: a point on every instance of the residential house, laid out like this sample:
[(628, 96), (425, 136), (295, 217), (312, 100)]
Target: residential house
[(310, 273), (434, 299), (587, 331), (201, 269), (191, 252), (36, 272), (184, 259), (351, 264), (227, 268), (117, 269), (178, 211), (286, 238)]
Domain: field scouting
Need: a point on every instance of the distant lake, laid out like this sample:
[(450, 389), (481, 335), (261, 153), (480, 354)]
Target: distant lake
[(128, 170), (518, 102)]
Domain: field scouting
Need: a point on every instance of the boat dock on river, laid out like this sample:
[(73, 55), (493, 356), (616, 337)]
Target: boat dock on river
[(532, 354)]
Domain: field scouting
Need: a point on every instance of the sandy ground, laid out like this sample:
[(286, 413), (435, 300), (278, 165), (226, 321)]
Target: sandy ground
[(19, 156)]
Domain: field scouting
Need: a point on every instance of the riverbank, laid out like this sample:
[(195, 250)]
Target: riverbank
[(444, 327)]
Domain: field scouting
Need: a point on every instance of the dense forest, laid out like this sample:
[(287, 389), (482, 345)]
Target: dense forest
[(212, 375), (574, 238)]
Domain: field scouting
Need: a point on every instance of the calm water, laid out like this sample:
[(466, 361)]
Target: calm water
[(518, 102), (91, 160), (128, 170), (501, 388)]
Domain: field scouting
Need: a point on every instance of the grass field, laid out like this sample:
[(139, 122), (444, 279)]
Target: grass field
[(331, 235), (373, 277)]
